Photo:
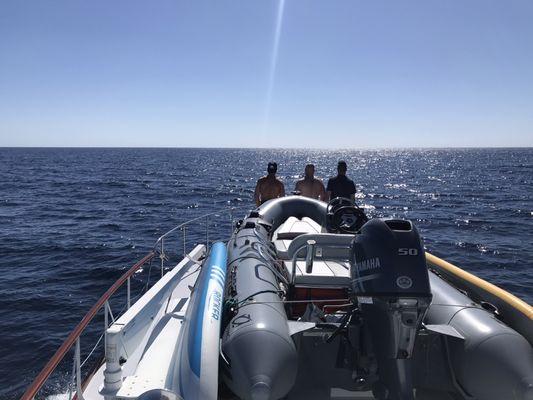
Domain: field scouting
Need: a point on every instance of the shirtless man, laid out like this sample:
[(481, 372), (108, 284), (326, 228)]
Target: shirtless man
[(310, 186), (269, 187)]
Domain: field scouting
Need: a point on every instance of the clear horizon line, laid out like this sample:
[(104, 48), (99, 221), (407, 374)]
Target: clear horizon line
[(269, 148)]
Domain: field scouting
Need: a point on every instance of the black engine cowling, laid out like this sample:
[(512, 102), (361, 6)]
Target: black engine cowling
[(389, 260)]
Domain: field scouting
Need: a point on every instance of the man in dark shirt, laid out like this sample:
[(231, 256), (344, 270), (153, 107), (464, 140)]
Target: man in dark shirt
[(341, 185)]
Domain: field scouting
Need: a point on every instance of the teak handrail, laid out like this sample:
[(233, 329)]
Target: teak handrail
[(506, 297), (78, 330)]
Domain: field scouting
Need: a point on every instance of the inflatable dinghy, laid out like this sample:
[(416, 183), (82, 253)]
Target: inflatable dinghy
[(309, 300)]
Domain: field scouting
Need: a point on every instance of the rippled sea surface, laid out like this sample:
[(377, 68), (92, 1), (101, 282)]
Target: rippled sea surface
[(72, 220)]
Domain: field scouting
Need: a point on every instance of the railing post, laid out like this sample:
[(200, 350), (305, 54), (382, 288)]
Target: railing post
[(73, 379), (206, 233), (128, 305), (77, 356), (162, 256), (184, 241), (230, 222), (106, 322)]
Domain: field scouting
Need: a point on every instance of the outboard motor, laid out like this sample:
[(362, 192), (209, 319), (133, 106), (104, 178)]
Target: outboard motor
[(390, 280)]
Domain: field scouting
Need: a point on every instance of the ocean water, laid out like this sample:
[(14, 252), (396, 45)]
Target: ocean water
[(72, 220)]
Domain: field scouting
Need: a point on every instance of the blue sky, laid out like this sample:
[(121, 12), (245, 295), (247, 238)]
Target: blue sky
[(198, 73)]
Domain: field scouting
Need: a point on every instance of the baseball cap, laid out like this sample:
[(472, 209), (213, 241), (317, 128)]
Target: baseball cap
[(272, 167)]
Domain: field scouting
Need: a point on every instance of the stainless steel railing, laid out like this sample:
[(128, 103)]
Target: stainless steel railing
[(159, 246), (73, 339)]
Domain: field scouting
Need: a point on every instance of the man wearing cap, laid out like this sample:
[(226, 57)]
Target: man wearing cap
[(269, 187), (311, 186), (341, 185)]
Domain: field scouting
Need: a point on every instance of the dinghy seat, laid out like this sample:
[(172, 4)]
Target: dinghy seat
[(329, 266), (291, 229), (327, 273)]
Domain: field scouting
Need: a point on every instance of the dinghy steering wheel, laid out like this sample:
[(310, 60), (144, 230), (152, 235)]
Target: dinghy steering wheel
[(345, 216)]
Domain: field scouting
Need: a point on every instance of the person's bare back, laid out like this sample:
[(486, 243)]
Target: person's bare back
[(269, 187), (311, 186)]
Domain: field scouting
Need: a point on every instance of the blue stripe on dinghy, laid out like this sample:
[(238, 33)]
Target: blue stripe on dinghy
[(216, 271), (218, 275), (218, 279), (216, 261), (219, 269)]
